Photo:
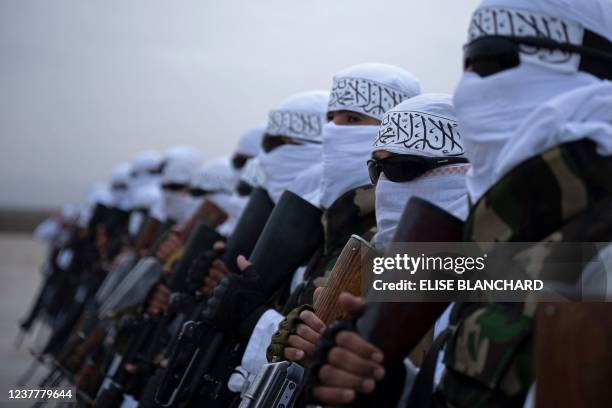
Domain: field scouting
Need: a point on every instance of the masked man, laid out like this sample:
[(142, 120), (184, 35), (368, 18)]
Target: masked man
[(535, 113), (403, 165), (340, 184)]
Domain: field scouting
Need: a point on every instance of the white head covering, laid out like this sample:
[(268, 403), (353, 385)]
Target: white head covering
[(146, 163), (99, 193), (307, 184), (424, 125), (121, 174), (520, 112), (233, 205), (145, 192), (219, 179), (444, 186), (300, 117), (371, 89), (250, 141), (181, 164), (145, 197), (214, 176), (253, 174), (120, 198), (182, 152)]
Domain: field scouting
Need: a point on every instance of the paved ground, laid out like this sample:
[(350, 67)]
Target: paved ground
[(20, 261)]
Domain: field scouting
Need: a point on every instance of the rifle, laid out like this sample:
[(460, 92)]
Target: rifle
[(384, 324), (278, 384), (51, 271), (190, 302), (290, 236), (152, 328), (586, 329), (86, 339)]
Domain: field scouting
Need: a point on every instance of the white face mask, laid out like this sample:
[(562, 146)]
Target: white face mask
[(307, 184), (446, 191), (281, 165), (346, 150), (179, 206), (233, 205), (491, 109), (136, 220)]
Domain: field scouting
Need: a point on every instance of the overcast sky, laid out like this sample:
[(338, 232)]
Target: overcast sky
[(86, 84)]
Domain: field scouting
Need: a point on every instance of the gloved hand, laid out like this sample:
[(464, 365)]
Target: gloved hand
[(286, 328), (344, 363), (237, 303)]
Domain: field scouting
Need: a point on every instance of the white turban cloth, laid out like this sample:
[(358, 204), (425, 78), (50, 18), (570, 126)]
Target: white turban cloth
[(422, 126), (218, 178), (301, 118), (371, 89), (249, 143), (145, 191), (145, 168), (181, 164), (252, 173), (515, 114), (120, 198), (438, 135)]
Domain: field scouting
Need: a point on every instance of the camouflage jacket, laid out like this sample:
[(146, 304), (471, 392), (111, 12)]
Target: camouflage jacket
[(489, 361)]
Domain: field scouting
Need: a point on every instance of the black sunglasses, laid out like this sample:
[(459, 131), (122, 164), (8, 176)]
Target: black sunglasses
[(173, 186), (239, 160), (400, 168), (492, 54), (270, 143), (198, 192), (243, 188), (119, 186)]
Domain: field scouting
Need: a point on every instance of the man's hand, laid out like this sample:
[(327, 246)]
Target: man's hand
[(302, 343), (217, 271), (171, 244), (159, 301), (353, 365), (237, 302)]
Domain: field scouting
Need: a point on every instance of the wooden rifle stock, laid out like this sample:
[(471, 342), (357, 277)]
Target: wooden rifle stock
[(147, 233), (208, 213), (344, 277), (573, 356), (394, 327)]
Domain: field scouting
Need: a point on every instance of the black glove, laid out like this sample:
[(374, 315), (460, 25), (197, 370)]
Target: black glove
[(237, 304), (322, 349), (199, 269)]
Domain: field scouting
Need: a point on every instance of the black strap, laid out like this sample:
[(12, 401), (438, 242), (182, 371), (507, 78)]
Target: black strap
[(422, 390), (591, 64)]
